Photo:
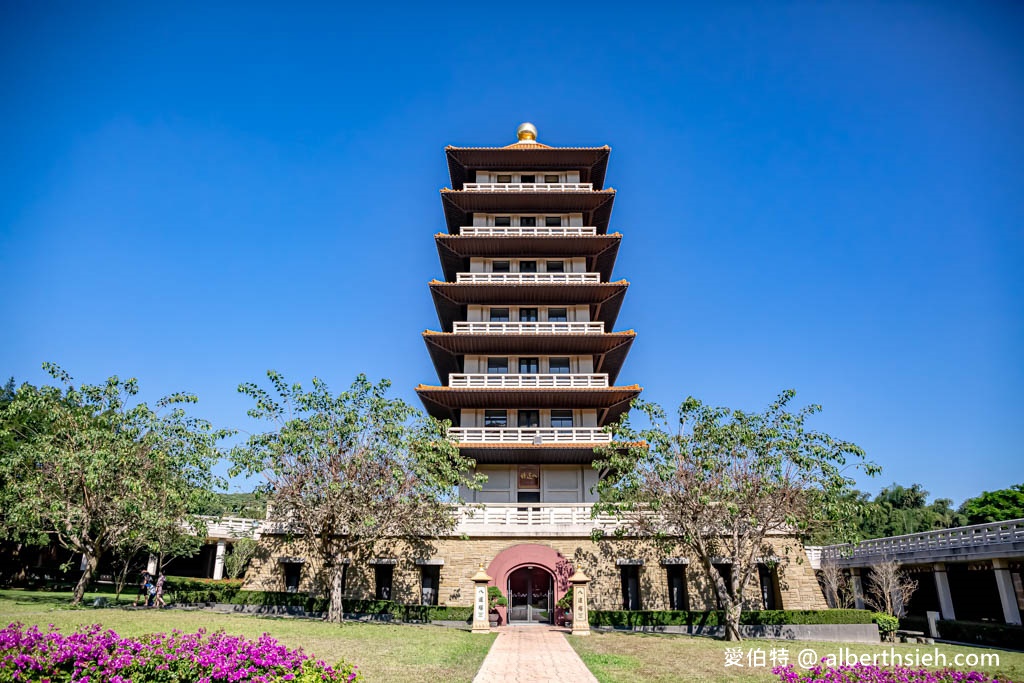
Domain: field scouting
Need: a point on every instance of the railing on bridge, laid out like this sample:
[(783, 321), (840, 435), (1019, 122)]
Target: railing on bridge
[(941, 542)]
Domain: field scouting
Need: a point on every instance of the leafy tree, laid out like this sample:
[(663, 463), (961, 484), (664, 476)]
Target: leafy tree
[(350, 471), (237, 561), (251, 505), (994, 506), (718, 482), (86, 466), (895, 511)]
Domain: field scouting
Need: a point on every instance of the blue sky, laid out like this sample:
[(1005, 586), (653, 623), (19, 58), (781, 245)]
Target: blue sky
[(824, 196)]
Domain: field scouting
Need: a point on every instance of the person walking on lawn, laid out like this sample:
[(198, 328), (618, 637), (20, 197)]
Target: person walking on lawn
[(161, 580), (143, 588)]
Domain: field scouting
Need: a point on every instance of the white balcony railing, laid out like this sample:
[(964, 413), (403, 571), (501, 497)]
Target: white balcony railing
[(527, 278), (532, 435), (528, 328), (527, 231), (528, 187), (527, 381), (232, 527), (504, 518)]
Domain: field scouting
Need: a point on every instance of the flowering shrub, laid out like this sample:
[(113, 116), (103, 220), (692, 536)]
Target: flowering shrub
[(92, 655), (865, 673)]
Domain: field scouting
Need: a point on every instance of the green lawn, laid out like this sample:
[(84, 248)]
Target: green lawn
[(431, 653), (651, 658), (383, 652)]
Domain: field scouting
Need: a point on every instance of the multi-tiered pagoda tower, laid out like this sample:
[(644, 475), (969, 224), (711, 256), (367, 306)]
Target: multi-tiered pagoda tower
[(527, 355)]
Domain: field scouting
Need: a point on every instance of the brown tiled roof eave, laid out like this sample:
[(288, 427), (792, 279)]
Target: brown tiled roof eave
[(610, 403), (456, 250), (608, 350), (595, 205), (513, 453), (451, 306), (451, 298), (592, 162)]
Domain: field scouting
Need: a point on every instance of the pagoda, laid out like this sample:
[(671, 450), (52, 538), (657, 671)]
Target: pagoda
[(526, 355)]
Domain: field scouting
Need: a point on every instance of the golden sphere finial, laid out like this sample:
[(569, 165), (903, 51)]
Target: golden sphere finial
[(527, 132)]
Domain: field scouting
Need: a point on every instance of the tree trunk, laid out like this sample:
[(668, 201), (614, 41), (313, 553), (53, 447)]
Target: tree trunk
[(336, 611), (733, 610), (122, 579), (91, 564)]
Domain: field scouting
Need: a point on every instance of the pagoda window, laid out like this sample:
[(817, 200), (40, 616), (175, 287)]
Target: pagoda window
[(528, 221), (553, 221), (529, 418), (504, 178), (561, 418), (495, 418), (555, 266), (552, 179), (499, 315), (527, 266), (558, 315), (503, 221), (527, 315), (497, 366), (501, 266), (558, 366), (528, 179), (529, 366)]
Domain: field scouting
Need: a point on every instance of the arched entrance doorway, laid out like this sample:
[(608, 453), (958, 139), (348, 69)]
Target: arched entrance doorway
[(530, 595)]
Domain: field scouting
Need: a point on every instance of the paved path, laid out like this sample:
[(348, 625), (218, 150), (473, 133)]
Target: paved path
[(532, 654)]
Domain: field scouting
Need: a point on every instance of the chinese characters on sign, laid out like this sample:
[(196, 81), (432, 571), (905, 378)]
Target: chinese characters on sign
[(481, 603), (529, 477)]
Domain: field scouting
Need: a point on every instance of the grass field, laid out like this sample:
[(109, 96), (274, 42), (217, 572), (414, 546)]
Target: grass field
[(408, 653), (635, 657), (384, 653)]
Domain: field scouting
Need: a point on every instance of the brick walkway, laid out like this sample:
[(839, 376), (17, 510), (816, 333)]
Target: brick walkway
[(532, 654)]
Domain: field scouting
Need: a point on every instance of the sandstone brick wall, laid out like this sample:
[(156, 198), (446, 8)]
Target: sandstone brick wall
[(798, 588)]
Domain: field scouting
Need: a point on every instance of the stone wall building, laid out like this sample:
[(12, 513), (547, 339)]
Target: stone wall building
[(528, 362)]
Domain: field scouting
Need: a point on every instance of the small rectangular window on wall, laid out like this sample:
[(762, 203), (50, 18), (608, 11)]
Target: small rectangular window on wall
[(769, 587), (383, 575), (430, 581), (292, 576), (630, 576), (678, 598)]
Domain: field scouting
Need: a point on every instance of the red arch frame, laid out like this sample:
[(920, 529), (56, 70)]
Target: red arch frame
[(524, 554)]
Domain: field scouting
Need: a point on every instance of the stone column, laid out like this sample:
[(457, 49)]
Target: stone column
[(857, 588), (1007, 596), (481, 618), (218, 563), (942, 588), (151, 565), (580, 615)]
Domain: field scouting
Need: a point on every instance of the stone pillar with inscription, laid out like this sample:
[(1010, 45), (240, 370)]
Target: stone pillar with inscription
[(481, 616), (580, 614)]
